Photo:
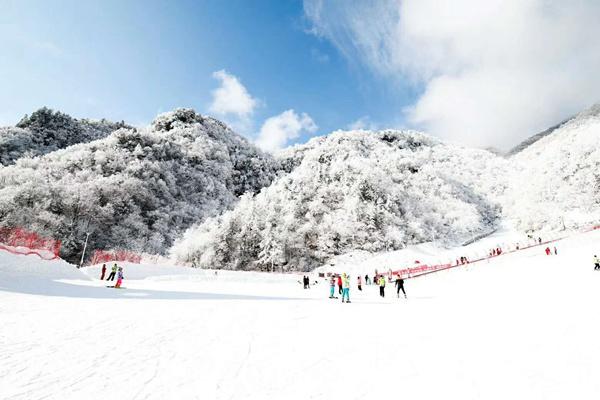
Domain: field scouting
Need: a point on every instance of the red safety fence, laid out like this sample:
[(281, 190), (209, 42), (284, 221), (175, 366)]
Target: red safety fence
[(427, 269), (104, 256), (24, 242)]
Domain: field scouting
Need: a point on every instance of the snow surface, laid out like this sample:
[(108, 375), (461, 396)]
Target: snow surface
[(519, 326)]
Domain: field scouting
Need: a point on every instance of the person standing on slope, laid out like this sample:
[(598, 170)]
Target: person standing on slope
[(400, 286), (360, 283), (346, 287), (103, 272), (113, 271), (596, 263), (119, 277), (339, 283), (381, 285), (332, 287)]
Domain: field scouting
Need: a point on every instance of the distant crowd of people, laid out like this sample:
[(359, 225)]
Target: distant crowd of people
[(342, 283)]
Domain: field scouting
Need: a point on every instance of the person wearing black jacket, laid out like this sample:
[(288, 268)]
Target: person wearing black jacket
[(400, 286)]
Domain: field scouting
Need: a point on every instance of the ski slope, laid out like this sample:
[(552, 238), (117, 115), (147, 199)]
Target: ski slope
[(523, 325)]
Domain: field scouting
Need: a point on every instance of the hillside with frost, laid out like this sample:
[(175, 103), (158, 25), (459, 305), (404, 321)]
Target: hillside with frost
[(45, 131), (354, 190), (556, 179), (134, 189)]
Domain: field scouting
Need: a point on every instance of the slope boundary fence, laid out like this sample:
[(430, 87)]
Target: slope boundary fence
[(105, 256), (20, 241), (424, 269)]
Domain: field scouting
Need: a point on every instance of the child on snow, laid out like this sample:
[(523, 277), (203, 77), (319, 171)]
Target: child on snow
[(360, 282), (332, 287), (103, 272), (119, 277)]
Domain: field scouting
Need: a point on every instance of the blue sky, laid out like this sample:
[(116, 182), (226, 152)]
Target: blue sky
[(477, 73), (129, 60)]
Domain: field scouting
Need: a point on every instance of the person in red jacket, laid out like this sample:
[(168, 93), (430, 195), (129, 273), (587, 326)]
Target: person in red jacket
[(103, 272), (339, 283), (547, 251)]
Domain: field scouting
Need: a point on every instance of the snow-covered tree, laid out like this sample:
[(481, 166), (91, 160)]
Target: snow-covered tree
[(135, 189), (46, 130), (363, 190)]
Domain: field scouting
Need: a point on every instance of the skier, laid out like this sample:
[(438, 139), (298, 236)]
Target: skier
[(400, 286), (346, 288), (113, 271), (304, 281), (339, 282), (555, 251), (332, 287), (596, 263), (119, 277), (547, 251), (103, 272), (367, 280), (360, 283), (382, 286)]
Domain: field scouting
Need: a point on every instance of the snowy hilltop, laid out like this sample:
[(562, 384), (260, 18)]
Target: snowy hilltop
[(555, 182), (134, 189), (356, 190), (45, 131)]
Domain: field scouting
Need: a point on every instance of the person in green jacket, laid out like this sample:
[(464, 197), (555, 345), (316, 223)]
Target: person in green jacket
[(113, 271), (345, 288), (382, 286)]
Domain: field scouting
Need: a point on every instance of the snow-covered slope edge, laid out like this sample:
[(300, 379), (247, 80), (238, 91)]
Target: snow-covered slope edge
[(556, 180)]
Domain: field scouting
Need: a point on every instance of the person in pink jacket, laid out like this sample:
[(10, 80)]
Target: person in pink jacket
[(119, 277)]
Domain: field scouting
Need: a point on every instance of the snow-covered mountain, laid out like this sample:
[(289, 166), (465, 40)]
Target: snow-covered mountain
[(140, 189), (355, 190), (555, 183), (134, 189), (46, 131)]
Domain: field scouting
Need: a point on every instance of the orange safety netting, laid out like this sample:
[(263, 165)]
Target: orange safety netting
[(22, 241), (104, 256)]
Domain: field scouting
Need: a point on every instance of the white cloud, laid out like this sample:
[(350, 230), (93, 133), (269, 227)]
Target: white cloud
[(232, 101), (492, 72), (277, 131), (363, 123)]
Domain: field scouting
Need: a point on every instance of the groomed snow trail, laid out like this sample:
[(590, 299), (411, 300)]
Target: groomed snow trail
[(521, 326)]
